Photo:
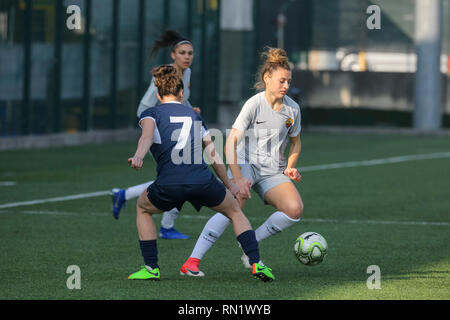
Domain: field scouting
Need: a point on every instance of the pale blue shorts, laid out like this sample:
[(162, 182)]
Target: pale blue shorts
[(260, 183)]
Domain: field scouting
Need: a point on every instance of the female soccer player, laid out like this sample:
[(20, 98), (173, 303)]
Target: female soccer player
[(182, 54), (187, 179), (269, 120)]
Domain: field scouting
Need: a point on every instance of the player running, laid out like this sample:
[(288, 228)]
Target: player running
[(269, 120), (182, 54), (182, 174)]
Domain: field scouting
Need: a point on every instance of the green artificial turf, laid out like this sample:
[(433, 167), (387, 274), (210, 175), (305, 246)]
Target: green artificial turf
[(395, 216)]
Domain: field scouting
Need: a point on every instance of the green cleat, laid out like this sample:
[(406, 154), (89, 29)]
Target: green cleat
[(146, 273), (260, 271)]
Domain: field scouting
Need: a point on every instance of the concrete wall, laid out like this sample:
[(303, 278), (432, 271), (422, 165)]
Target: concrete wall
[(374, 90), (337, 89)]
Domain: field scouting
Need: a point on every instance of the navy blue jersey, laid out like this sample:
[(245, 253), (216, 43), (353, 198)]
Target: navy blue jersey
[(177, 144)]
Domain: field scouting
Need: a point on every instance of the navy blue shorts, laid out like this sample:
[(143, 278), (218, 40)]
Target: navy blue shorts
[(167, 197)]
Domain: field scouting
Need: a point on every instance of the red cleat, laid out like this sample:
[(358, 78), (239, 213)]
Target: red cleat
[(190, 268)]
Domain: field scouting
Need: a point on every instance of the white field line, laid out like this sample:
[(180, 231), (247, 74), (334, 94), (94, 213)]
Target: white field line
[(437, 155), (7, 183), (52, 213), (387, 222), (57, 199), (374, 162), (56, 213), (202, 217)]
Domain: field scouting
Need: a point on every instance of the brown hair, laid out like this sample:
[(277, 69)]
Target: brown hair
[(167, 80), (273, 58), (170, 38)]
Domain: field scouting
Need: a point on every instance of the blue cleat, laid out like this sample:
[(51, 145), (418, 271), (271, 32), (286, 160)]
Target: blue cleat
[(171, 233), (118, 201)]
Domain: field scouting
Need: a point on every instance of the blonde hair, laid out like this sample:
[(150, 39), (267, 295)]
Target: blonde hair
[(167, 80), (273, 58)]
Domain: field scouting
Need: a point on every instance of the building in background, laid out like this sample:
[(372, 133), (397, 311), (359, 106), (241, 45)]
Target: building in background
[(345, 73), (54, 80), (58, 80)]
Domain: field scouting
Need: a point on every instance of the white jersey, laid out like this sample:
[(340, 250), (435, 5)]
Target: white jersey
[(266, 133), (150, 98)]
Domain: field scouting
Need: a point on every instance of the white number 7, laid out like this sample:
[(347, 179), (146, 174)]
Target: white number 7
[(185, 130)]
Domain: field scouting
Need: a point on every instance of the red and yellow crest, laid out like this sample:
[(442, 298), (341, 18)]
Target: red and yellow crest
[(289, 122)]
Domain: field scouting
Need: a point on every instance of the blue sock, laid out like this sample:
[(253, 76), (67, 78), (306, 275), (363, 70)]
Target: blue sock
[(149, 251), (249, 245)]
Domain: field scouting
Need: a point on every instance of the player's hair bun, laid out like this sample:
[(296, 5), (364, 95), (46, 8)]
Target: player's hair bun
[(273, 58), (164, 71), (167, 80), (276, 55)]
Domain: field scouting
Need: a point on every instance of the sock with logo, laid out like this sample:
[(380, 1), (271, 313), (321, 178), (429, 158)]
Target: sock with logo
[(213, 229), (277, 222)]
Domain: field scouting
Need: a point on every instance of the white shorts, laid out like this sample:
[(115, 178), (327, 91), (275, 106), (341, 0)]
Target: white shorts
[(260, 184)]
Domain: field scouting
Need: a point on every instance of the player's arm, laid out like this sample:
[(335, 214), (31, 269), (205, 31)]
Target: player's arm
[(231, 155), (144, 143), (294, 152), (150, 98), (217, 164)]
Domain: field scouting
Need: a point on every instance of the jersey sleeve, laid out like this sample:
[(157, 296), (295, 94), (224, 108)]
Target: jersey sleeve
[(295, 129), (246, 116), (149, 100), (147, 114), (186, 85)]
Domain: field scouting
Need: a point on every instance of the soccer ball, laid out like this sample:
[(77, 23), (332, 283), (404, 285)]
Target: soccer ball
[(310, 248)]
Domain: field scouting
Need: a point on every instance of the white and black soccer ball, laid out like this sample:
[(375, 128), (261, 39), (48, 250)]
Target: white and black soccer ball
[(310, 248)]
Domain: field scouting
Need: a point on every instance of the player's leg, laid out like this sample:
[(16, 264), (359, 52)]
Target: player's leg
[(282, 194), (212, 230), (167, 230), (144, 219), (288, 202), (147, 239), (120, 196), (245, 235)]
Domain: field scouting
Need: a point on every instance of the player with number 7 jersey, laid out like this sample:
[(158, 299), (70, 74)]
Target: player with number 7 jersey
[(175, 135), (177, 146)]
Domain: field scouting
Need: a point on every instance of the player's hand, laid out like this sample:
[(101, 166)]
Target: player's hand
[(135, 162), (244, 186), (197, 110), (292, 173), (234, 189)]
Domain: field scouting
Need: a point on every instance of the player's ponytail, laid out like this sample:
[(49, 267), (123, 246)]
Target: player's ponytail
[(170, 38), (273, 58), (167, 80)]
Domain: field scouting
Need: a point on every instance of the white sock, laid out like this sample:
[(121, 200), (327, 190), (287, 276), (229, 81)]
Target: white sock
[(136, 191), (168, 218), (213, 229), (277, 222)]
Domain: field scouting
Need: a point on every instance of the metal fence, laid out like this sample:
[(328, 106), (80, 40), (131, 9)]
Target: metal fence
[(54, 79)]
